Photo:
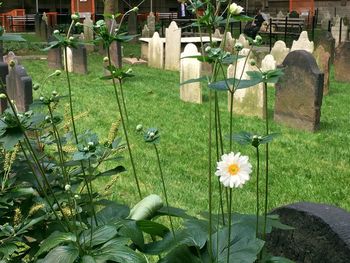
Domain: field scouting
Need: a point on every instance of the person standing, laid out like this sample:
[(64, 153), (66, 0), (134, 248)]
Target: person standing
[(182, 9)]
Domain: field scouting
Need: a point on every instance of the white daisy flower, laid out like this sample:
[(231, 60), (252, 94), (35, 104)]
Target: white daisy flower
[(235, 9), (233, 170)]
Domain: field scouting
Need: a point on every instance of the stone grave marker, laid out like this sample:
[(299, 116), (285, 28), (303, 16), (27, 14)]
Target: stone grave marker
[(151, 23), (144, 45), (279, 51), (217, 33), (243, 41), (342, 62), (325, 20), (156, 52), (303, 43), (172, 47), (280, 15), (327, 41), (323, 61), (299, 92), (54, 58), (37, 19), (19, 87), (229, 42), (190, 68), (44, 31), (249, 101), (11, 57), (68, 63), (4, 70), (79, 59), (88, 33), (336, 31), (132, 23), (321, 233)]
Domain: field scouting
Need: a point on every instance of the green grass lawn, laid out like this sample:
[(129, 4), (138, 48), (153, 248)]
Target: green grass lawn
[(303, 166)]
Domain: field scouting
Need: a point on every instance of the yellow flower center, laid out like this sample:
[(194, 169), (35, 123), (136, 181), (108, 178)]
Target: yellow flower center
[(233, 169)]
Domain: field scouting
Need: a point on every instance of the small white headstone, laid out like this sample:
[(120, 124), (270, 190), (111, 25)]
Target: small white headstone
[(243, 41), (156, 52), (303, 43), (335, 30), (172, 47), (280, 15), (190, 68), (217, 33), (279, 51), (229, 42)]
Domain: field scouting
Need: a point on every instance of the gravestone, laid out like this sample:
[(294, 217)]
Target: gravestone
[(151, 23), (115, 50), (44, 31), (217, 33), (89, 33), (325, 20), (54, 58), (243, 41), (37, 19), (68, 62), (303, 43), (280, 15), (321, 233), (336, 31), (342, 62), (11, 57), (4, 70), (132, 23), (19, 87), (144, 45), (190, 68), (323, 61), (156, 52), (249, 101), (299, 92), (327, 41), (268, 63), (229, 42), (279, 51), (79, 59), (172, 47)]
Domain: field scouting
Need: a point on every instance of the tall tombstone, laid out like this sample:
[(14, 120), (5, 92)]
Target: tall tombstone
[(336, 31), (37, 19), (79, 59), (54, 58), (144, 45), (342, 62), (172, 47), (327, 41), (303, 43), (11, 57), (249, 101), (156, 52), (229, 42), (68, 63), (4, 70), (320, 233), (243, 41), (190, 68), (44, 32), (151, 23), (299, 92), (115, 50), (323, 61), (132, 23), (19, 87), (89, 33), (279, 51), (145, 31)]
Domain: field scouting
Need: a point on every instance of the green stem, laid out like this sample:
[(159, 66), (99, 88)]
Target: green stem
[(123, 100), (257, 190), (124, 128), (229, 226), (266, 163), (210, 174), (164, 188)]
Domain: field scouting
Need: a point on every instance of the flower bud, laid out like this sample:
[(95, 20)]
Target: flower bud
[(238, 46), (41, 98), (252, 62), (3, 96), (85, 149), (207, 49), (71, 38), (139, 127), (91, 144), (74, 17), (58, 72), (76, 196), (54, 93), (67, 187), (129, 71), (151, 134), (135, 9), (78, 24), (36, 86), (12, 63), (105, 59), (235, 9), (56, 32)]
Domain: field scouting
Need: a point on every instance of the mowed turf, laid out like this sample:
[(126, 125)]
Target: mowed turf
[(304, 166)]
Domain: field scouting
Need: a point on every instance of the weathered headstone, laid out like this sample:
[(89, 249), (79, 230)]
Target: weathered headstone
[(279, 51), (336, 31), (325, 20), (321, 233), (280, 15), (268, 63), (145, 31), (156, 52), (151, 23), (190, 68), (79, 59), (299, 92), (115, 50), (54, 58), (68, 59), (250, 101), (323, 61), (44, 32), (144, 45), (342, 62), (88, 33), (303, 43), (19, 87), (4, 70), (243, 41), (229, 42), (172, 47), (11, 57), (217, 33), (132, 23), (37, 19), (327, 41)]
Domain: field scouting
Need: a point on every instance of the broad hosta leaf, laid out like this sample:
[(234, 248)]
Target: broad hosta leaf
[(87, 259), (180, 254), (146, 208), (55, 239), (99, 235), (152, 228), (62, 254), (173, 211), (128, 228), (112, 213), (204, 78), (118, 253)]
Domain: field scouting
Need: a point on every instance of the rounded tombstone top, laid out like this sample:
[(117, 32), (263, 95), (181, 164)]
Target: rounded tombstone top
[(173, 25), (268, 63)]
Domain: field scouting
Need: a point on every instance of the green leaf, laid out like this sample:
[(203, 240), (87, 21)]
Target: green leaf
[(173, 211), (88, 259), (269, 138), (62, 254), (146, 208), (204, 78), (99, 235), (152, 228), (180, 254), (272, 76), (242, 137), (7, 249), (31, 223), (116, 170), (117, 253), (128, 228), (274, 259), (110, 214), (55, 239)]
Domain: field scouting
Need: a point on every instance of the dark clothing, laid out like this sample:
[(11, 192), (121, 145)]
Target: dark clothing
[(252, 29), (182, 11)]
